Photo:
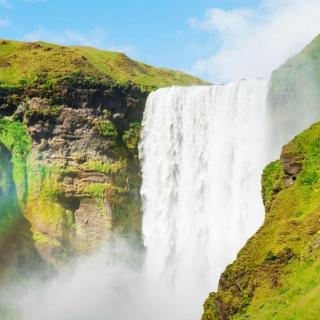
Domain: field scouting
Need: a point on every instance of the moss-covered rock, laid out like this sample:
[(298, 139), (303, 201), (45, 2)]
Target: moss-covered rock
[(18, 254), (70, 117)]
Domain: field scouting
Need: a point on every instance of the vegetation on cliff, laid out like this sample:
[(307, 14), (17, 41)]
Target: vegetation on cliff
[(276, 275), (15, 137), (16, 241), (70, 120)]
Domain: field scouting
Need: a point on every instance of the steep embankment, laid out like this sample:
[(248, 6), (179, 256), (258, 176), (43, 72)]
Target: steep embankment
[(276, 275), (70, 119)]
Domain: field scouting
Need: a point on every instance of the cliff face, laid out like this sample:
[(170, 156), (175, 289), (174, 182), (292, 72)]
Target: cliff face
[(70, 123), (276, 274)]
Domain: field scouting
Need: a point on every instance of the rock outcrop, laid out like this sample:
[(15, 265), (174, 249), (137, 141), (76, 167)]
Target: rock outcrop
[(71, 118)]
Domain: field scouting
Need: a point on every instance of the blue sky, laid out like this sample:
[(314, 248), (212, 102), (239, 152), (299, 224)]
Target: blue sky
[(180, 34)]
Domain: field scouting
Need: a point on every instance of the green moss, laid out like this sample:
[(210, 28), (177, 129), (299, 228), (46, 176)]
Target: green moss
[(43, 207), (9, 202), (51, 110), (96, 190), (63, 171), (296, 298), (43, 240), (306, 146), (270, 256), (14, 136), (124, 197), (107, 129), (103, 167), (272, 182), (131, 137)]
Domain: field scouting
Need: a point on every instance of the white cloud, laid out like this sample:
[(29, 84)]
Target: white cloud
[(97, 38), (223, 21), (254, 42)]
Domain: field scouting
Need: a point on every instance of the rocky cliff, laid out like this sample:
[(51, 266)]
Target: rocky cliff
[(276, 274), (69, 127)]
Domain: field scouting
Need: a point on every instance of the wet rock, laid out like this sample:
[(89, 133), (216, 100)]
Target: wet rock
[(292, 166)]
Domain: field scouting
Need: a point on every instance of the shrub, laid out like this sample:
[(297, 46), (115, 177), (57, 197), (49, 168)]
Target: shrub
[(107, 129), (131, 137)]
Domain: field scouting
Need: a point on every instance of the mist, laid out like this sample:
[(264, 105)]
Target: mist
[(109, 284)]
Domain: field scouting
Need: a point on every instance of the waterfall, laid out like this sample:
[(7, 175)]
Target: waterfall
[(203, 150)]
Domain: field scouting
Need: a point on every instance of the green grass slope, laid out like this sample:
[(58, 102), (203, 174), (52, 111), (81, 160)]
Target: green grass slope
[(24, 63), (300, 71), (277, 274), (295, 89)]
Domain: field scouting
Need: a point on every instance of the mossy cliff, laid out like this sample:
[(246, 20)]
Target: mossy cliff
[(277, 273), (69, 127), (16, 251)]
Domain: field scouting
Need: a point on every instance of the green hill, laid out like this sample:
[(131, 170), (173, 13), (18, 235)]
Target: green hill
[(24, 63)]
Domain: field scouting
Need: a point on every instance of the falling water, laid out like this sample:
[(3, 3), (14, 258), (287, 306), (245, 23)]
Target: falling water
[(203, 150)]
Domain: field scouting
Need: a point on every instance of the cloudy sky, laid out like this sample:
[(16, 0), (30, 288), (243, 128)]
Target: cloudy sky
[(214, 39)]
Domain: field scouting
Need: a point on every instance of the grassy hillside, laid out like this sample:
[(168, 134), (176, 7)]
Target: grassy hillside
[(300, 71), (277, 274), (295, 89), (24, 63)]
